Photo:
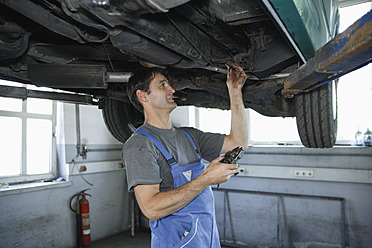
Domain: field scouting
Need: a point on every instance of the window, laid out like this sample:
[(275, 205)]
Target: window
[(27, 142), (272, 130), (213, 120), (355, 88)]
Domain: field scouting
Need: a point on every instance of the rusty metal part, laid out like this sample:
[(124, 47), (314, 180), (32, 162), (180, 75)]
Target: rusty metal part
[(346, 52), (24, 93)]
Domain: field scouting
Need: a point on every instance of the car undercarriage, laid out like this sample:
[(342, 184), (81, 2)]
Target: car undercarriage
[(92, 47)]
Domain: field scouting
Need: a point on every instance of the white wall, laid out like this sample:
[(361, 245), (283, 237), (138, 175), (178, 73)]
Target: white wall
[(42, 218), (29, 219), (280, 208)]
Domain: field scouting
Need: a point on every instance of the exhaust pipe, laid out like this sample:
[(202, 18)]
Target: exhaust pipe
[(74, 76)]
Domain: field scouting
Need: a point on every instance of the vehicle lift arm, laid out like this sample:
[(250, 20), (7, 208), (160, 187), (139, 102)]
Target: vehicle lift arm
[(347, 52)]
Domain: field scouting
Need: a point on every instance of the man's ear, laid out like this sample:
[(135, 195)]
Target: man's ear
[(141, 95)]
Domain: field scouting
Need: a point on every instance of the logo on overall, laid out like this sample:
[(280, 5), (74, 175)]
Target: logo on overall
[(187, 174)]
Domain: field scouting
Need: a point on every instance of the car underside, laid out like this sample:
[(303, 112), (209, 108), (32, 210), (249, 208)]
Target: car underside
[(92, 47)]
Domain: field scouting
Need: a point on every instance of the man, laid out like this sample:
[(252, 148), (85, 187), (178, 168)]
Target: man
[(164, 166)]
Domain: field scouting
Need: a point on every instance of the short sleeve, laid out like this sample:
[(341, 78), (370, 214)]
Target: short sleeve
[(141, 166)]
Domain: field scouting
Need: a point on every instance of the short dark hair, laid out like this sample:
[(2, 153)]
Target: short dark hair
[(140, 80)]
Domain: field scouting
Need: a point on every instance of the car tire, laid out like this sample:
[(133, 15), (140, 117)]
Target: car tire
[(121, 119), (316, 116)]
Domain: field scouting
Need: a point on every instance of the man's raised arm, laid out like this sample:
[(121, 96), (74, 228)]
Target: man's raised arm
[(239, 122)]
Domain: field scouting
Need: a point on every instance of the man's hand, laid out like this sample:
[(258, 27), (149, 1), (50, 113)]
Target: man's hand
[(235, 76), (155, 204), (218, 172)]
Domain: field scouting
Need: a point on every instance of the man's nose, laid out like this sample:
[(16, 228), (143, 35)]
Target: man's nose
[(170, 89)]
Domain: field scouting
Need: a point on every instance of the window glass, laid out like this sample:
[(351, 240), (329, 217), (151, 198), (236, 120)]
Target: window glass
[(39, 135), (10, 146), (214, 120), (10, 104), (26, 135), (354, 104), (272, 130), (39, 106), (355, 88)]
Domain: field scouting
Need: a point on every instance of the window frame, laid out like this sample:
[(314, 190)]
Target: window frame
[(24, 116)]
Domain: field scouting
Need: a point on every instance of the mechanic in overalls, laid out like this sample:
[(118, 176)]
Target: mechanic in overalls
[(164, 163)]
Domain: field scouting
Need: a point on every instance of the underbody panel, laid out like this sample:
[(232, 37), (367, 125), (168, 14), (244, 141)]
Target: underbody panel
[(83, 41)]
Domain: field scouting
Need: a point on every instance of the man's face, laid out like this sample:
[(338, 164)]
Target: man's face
[(161, 93)]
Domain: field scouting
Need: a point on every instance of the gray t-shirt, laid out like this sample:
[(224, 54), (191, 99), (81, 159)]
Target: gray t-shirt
[(146, 165)]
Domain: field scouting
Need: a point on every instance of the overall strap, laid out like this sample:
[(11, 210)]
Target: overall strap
[(192, 142), (170, 160)]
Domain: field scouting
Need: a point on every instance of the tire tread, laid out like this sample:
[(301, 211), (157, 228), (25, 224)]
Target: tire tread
[(315, 122)]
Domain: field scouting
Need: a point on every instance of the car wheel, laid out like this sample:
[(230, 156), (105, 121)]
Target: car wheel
[(316, 116), (121, 119)]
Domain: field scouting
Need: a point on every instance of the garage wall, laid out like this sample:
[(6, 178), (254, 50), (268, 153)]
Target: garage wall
[(265, 216), (42, 218), (278, 208)]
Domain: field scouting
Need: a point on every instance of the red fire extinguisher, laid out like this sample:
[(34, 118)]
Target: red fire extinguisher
[(82, 218)]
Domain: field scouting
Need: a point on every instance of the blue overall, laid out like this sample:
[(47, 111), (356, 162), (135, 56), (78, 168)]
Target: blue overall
[(195, 224)]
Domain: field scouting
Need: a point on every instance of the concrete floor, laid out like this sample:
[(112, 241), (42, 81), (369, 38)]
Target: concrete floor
[(142, 239), (124, 240)]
